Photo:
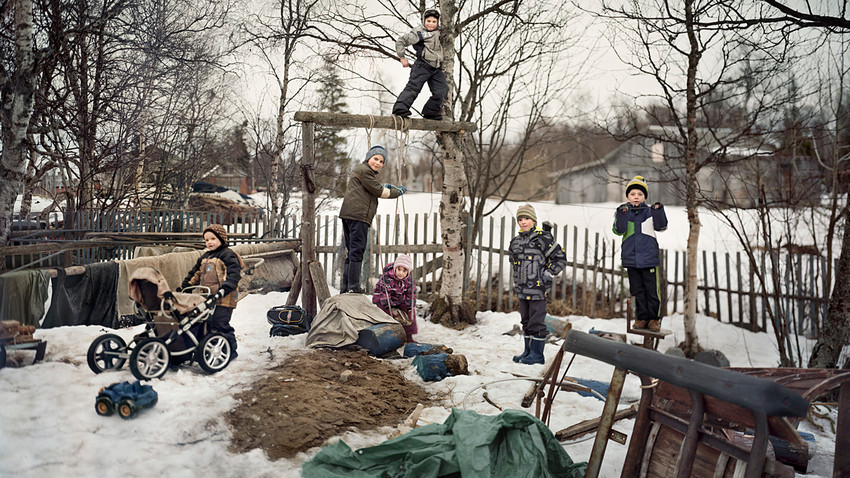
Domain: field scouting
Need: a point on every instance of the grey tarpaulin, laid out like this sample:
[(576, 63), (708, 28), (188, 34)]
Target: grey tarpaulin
[(342, 317), (512, 444)]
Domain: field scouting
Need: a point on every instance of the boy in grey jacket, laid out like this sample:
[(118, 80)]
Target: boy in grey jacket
[(426, 68), (536, 259)]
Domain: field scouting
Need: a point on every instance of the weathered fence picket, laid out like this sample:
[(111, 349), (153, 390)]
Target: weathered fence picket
[(787, 286)]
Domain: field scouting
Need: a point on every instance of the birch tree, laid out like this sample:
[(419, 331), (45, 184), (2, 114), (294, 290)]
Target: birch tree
[(693, 57), (19, 69)]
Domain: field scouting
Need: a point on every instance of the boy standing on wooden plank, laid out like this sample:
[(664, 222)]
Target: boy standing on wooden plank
[(536, 260), (637, 223), (426, 68)]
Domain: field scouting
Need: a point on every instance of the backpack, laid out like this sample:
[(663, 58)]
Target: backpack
[(288, 320)]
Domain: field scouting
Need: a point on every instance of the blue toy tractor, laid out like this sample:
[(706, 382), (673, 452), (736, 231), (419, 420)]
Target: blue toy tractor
[(126, 398)]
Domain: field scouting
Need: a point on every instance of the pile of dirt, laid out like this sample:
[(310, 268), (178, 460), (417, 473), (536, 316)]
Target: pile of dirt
[(317, 395)]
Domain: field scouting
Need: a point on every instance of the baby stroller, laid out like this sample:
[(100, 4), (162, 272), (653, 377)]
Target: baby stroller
[(175, 327)]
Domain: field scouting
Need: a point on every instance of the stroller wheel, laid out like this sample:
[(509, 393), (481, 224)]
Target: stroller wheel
[(107, 352), (213, 353), (149, 359)]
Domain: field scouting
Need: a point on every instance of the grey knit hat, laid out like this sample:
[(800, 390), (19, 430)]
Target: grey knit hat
[(376, 150)]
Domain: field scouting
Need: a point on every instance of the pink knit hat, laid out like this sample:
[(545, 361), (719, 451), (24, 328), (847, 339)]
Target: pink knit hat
[(405, 261)]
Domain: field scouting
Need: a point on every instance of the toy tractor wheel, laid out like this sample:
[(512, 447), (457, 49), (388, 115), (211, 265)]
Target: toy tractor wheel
[(149, 359), (107, 352), (213, 353), (104, 406), (126, 409)]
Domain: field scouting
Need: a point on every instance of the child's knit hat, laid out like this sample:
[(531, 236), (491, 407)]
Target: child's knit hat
[(219, 231), (403, 260), (526, 210), (637, 182), (376, 150), (431, 12)]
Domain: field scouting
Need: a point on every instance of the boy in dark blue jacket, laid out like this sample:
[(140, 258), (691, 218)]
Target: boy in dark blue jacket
[(637, 223)]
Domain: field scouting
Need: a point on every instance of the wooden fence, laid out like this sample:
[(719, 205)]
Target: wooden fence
[(592, 284)]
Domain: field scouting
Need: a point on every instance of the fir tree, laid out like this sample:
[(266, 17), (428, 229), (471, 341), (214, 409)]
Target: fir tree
[(333, 163)]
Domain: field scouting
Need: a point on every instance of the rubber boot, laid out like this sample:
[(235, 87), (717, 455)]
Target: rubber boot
[(354, 277), (535, 355), (343, 286), (526, 339)]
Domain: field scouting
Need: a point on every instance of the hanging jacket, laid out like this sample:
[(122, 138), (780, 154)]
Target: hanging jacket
[(637, 226), (361, 195), (218, 269), (398, 293), (427, 45), (536, 259)]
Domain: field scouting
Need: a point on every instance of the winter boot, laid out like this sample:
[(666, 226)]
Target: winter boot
[(526, 339), (639, 324), (654, 325), (535, 354), (354, 277), (343, 286)]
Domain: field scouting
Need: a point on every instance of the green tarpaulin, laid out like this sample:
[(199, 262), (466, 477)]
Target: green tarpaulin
[(512, 444)]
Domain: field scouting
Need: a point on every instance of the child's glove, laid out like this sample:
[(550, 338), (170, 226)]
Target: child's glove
[(401, 190), (388, 186), (548, 275), (623, 209), (657, 205)]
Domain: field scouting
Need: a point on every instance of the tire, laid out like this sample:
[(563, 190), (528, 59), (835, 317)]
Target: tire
[(126, 409), (107, 352), (104, 406), (149, 359), (213, 353)]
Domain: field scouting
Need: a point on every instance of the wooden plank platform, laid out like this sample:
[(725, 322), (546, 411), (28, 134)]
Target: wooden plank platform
[(384, 122)]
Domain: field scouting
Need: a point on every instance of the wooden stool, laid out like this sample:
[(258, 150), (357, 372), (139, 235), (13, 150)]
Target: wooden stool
[(650, 337)]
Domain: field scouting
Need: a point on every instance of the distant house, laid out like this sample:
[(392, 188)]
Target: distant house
[(735, 179), (232, 177)]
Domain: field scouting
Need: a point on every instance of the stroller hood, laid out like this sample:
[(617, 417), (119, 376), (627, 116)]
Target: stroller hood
[(148, 287)]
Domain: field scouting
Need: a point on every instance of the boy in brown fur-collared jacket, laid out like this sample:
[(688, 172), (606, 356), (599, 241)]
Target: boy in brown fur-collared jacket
[(219, 269)]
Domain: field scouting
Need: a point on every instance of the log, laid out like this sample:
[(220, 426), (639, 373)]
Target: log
[(380, 339), (320, 282), (588, 426), (384, 122)]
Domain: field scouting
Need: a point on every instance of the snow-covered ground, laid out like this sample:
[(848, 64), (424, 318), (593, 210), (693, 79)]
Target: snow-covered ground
[(48, 425)]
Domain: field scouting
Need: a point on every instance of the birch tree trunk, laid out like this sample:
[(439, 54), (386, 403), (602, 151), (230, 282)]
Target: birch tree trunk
[(836, 327), (450, 308), (17, 89), (691, 346)]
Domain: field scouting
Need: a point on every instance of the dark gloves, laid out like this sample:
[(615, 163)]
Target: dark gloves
[(657, 205), (401, 190), (623, 209)]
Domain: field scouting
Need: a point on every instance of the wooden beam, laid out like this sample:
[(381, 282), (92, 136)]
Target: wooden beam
[(308, 216), (587, 426), (384, 122), (320, 282)]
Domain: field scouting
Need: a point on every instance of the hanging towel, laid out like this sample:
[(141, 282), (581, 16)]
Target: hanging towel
[(22, 295), (85, 299)]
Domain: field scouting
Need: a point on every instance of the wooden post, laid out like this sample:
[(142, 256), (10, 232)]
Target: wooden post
[(308, 215), (606, 422), (841, 465)]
